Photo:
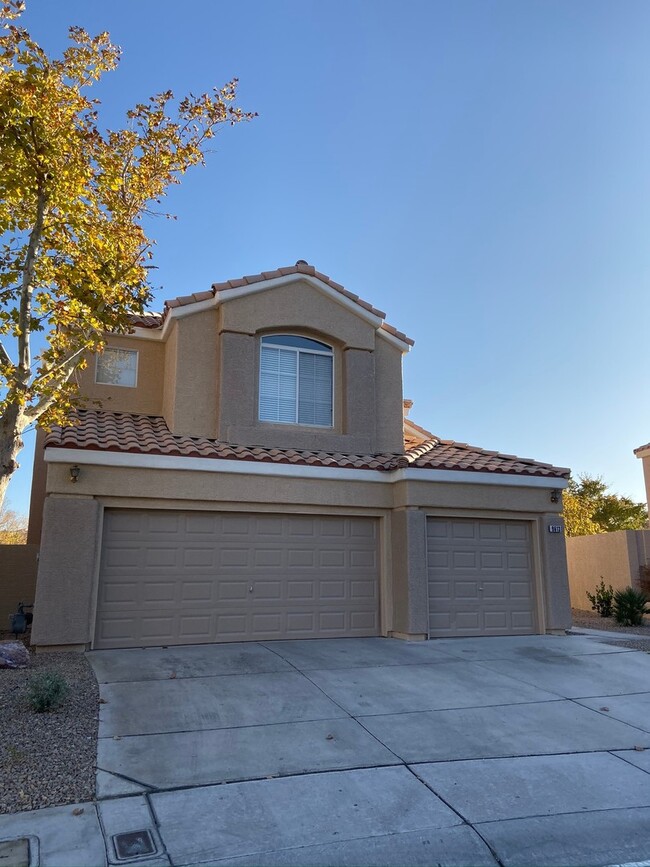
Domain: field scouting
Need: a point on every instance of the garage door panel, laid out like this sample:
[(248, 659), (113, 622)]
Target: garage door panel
[(335, 528), (491, 560), (297, 558), (440, 621), (199, 524), (196, 591), (198, 557), (480, 577), (463, 530), (268, 525), (517, 532), (269, 558), (490, 531), (522, 620), (495, 590), (331, 559), (235, 577)]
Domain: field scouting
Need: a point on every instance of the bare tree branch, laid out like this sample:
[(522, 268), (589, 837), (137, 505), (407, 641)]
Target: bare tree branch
[(5, 358)]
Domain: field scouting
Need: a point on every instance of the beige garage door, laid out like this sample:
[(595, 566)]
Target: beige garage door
[(480, 577), (197, 577)]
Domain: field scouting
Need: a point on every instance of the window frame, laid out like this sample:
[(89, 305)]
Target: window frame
[(135, 352), (327, 353)]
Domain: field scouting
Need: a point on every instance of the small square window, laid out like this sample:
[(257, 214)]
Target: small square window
[(117, 367)]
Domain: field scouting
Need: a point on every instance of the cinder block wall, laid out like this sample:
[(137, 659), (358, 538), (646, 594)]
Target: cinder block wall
[(617, 557), (18, 567)]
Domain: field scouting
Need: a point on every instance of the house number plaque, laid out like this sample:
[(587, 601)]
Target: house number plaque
[(555, 528)]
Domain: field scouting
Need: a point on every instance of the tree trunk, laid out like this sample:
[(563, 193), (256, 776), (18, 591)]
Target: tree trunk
[(12, 425)]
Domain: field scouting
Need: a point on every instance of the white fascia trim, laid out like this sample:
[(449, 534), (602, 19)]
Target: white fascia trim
[(144, 333), (253, 288), (400, 344), (253, 468), (476, 478), (263, 285)]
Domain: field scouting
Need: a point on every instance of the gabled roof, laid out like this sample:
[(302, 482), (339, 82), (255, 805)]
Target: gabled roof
[(156, 320), (101, 430)]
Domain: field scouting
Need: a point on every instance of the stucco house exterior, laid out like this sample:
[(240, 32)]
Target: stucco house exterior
[(643, 453), (252, 474)]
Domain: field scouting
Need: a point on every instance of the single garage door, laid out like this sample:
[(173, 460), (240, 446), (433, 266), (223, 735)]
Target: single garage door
[(196, 577), (480, 577)]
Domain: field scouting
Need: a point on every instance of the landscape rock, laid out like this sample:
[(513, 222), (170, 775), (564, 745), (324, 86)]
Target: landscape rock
[(13, 654)]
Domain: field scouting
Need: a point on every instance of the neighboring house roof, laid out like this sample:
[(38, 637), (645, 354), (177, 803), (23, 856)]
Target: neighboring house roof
[(101, 430), (156, 320), (640, 449)]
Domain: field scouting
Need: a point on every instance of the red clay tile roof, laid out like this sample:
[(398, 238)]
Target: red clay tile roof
[(642, 448), (101, 430), (155, 320)]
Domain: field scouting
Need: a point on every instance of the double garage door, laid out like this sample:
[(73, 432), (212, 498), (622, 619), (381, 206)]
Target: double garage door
[(480, 577), (196, 577)]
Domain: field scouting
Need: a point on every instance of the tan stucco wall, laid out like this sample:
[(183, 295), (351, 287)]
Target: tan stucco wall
[(146, 397), (64, 611), (646, 477), (169, 382), (554, 588), (444, 496), (196, 376), (18, 565), (37, 497), (409, 573), (211, 490), (389, 397), (297, 305), (616, 557)]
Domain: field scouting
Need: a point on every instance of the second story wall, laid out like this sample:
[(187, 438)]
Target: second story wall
[(202, 372), (146, 396), (192, 375), (366, 372)]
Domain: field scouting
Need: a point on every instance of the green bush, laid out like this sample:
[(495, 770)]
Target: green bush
[(46, 691), (630, 606), (602, 599)]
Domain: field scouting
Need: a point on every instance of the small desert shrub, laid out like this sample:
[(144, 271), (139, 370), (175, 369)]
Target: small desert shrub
[(46, 691), (602, 599), (630, 606)]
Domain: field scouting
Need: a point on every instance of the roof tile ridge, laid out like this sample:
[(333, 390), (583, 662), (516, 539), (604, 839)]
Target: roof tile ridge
[(408, 422), (409, 456), (299, 268)]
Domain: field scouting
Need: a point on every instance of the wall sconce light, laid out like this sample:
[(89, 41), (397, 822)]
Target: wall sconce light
[(555, 496), (74, 473)]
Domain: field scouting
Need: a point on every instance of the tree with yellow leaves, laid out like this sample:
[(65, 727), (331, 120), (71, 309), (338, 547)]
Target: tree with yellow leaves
[(74, 256)]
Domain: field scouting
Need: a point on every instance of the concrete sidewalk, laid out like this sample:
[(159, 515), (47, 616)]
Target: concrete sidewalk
[(513, 751)]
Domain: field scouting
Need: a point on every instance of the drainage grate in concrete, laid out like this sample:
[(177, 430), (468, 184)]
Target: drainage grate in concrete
[(15, 853), (133, 844)]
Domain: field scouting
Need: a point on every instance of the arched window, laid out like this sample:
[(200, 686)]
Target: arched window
[(296, 380)]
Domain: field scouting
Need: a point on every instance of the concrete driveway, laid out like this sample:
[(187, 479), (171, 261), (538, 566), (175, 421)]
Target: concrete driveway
[(528, 750)]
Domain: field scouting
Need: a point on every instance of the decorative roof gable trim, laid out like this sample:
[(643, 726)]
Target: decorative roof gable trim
[(153, 326)]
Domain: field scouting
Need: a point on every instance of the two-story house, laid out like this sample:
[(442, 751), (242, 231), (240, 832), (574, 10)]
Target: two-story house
[(252, 475)]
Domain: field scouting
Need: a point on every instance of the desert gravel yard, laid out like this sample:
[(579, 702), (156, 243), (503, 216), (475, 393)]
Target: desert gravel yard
[(639, 636), (48, 758)]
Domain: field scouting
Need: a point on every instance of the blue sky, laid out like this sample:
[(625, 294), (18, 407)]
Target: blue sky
[(480, 170)]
